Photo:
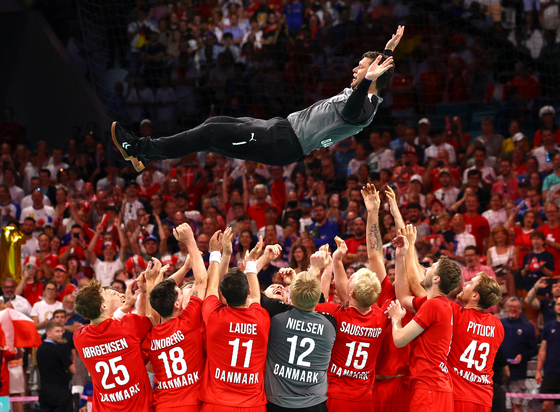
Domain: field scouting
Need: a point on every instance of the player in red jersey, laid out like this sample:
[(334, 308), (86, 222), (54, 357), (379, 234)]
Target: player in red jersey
[(430, 332), (361, 325), (174, 345), (477, 336), (110, 349), (391, 391), (236, 334)]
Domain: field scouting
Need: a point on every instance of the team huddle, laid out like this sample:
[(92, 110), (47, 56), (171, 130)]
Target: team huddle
[(220, 344)]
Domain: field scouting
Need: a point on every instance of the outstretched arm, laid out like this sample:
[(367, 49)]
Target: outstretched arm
[(394, 208), (251, 273), (183, 233), (214, 267), (402, 336), (414, 271), (373, 234), (401, 286), (340, 278)]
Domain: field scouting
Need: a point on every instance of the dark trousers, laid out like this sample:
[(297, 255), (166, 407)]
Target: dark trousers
[(272, 142), (55, 398), (322, 407), (499, 399)]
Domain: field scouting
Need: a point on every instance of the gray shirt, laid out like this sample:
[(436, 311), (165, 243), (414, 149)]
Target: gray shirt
[(299, 352)]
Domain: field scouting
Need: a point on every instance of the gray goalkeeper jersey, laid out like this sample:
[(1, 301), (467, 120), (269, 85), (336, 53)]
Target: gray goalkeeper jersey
[(321, 124), (299, 352)]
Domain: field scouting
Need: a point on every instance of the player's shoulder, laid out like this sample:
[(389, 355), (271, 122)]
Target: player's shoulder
[(329, 318)]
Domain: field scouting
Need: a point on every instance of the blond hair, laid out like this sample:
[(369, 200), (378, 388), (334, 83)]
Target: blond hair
[(366, 288), (305, 291), (488, 290)]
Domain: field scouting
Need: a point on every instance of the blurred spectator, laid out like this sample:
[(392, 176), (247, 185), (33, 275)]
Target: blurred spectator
[(456, 240), (496, 215), (545, 305), (542, 153), (42, 311), (537, 262), (473, 265), (551, 231), (10, 299), (475, 224), (323, 230)]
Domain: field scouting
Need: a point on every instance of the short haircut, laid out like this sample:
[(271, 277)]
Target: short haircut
[(449, 273), (29, 219), (366, 288), (480, 149), (235, 287), (260, 186), (270, 208), (47, 171), (8, 279), (414, 205), (353, 177), (56, 312), (320, 204), (244, 217), (163, 297), (385, 78), (514, 299), (305, 291), (488, 290), (488, 119), (89, 300), (539, 234), (51, 325), (471, 247), (474, 172)]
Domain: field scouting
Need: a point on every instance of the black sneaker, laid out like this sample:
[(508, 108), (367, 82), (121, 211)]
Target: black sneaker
[(123, 141)]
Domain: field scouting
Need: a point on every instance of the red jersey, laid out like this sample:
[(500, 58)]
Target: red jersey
[(33, 292), (64, 290), (351, 371), (353, 244), (236, 342), (476, 339), (391, 361), (111, 353), (428, 355), (176, 351), (553, 235), (478, 227), (522, 241)]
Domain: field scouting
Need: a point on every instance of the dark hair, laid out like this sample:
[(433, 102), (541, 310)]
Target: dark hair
[(539, 234), (270, 208), (56, 312), (47, 171), (385, 78), (414, 205), (353, 177), (243, 218), (474, 172), (235, 287), (471, 247), (320, 204), (89, 300), (480, 149), (123, 285), (449, 273), (29, 218), (163, 297)]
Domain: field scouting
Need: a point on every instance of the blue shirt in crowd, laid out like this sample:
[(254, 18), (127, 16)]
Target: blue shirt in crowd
[(324, 234), (519, 339), (551, 334)]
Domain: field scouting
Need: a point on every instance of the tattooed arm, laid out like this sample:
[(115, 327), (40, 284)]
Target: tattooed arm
[(373, 235)]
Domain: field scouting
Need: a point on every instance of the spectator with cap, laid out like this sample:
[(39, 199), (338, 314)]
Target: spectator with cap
[(542, 153), (448, 193), (548, 360), (438, 143), (64, 287), (131, 204), (544, 304), (519, 345), (105, 270), (507, 184), (518, 140), (153, 248), (551, 184), (12, 300), (423, 139), (547, 115)]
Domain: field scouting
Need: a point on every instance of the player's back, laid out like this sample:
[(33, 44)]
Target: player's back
[(358, 339), (176, 351), (477, 336), (299, 352), (236, 344), (428, 355), (112, 355)]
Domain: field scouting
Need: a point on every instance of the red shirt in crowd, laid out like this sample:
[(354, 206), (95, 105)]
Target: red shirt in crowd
[(428, 355), (111, 353), (478, 227), (176, 351), (554, 236), (477, 336), (64, 290), (522, 241), (257, 213), (353, 244), (434, 175), (537, 138), (232, 347), (33, 292)]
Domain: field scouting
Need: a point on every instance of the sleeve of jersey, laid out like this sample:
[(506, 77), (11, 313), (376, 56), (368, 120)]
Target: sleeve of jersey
[(327, 307), (426, 314), (140, 324), (193, 312), (387, 293), (211, 303), (417, 302), (273, 306)]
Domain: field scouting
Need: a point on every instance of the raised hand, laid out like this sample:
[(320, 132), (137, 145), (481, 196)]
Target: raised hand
[(256, 252), (216, 242), (341, 249), (395, 39), (371, 198), (318, 260), (183, 233), (271, 252), (287, 275), (152, 270), (377, 68), (401, 245), (226, 241), (396, 311), (392, 197), (409, 231)]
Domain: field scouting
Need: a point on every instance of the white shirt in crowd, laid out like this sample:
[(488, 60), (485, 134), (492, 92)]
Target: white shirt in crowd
[(21, 304), (488, 174), (382, 159), (17, 194), (44, 311), (29, 248), (105, 271), (495, 218), (27, 202), (461, 242), (46, 213), (447, 197), (540, 154), (433, 151)]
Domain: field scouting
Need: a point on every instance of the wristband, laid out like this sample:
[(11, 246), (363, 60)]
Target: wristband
[(215, 256), (251, 267), (118, 314)]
